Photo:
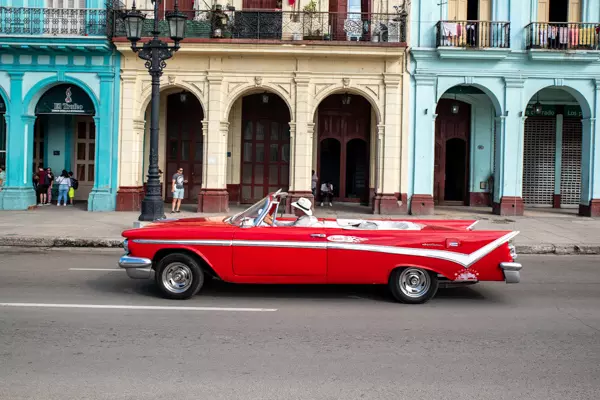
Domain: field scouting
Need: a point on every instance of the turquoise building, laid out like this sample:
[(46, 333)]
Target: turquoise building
[(504, 100), (59, 98)]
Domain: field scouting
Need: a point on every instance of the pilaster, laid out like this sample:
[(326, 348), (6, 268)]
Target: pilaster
[(213, 198), (131, 191), (590, 169), (508, 182), (423, 141)]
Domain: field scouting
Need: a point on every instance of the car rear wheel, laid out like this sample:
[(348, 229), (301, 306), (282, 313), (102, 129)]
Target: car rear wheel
[(413, 285), (179, 276)]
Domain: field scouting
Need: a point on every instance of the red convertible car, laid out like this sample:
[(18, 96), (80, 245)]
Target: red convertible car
[(412, 257)]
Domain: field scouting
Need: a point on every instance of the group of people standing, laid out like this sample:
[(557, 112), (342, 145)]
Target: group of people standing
[(2, 177), (44, 181), (326, 190)]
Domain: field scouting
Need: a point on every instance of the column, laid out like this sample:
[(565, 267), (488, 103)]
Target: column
[(102, 197), (421, 202), (508, 182), (18, 193), (131, 150), (213, 198), (558, 161), (301, 144), (387, 194), (589, 205)]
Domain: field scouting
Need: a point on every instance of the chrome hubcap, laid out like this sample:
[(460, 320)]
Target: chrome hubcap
[(177, 277), (414, 282)]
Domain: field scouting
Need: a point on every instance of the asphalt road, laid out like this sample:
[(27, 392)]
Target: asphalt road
[(539, 339)]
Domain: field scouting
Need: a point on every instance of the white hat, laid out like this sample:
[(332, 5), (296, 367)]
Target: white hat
[(303, 204)]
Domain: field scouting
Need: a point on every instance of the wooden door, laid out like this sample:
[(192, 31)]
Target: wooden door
[(543, 11), (184, 145), (574, 11), (487, 33), (265, 147), (449, 126), (85, 156)]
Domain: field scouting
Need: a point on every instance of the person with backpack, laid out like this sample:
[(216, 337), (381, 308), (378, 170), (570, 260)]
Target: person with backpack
[(64, 183), (73, 188)]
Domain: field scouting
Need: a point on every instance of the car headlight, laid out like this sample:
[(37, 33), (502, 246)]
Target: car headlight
[(126, 246)]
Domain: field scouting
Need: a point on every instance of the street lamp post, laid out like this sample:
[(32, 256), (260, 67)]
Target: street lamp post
[(155, 52)]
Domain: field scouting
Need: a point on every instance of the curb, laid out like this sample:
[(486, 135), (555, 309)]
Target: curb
[(21, 241)]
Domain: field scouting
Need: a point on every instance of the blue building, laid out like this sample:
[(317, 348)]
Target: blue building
[(504, 99), (59, 98)]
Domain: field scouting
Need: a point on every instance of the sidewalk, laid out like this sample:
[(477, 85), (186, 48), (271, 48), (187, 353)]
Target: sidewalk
[(543, 231)]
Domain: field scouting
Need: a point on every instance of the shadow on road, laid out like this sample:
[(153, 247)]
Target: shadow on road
[(218, 289)]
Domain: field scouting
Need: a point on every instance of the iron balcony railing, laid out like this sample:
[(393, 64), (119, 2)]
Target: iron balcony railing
[(281, 26), (52, 21), (473, 34), (563, 36)]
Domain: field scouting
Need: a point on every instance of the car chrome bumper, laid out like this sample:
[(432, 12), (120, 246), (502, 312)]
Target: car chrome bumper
[(512, 271), (137, 267)]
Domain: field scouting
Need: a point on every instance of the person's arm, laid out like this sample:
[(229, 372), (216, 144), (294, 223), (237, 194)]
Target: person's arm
[(173, 186)]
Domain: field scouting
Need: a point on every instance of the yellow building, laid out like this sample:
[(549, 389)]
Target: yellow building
[(255, 100)]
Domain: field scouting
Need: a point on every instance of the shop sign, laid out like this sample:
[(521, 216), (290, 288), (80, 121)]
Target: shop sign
[(548, 110), (2, 106), (573, 111), (65, 99)]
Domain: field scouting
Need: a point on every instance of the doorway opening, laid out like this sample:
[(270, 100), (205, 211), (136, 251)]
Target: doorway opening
[(184, 147), (329, 157), (558, 11), (456, 171)]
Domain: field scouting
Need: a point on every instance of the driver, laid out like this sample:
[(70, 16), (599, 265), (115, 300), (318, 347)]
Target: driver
[(302, 210)]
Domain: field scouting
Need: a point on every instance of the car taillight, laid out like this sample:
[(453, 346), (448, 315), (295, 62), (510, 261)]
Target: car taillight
[(513, 251)]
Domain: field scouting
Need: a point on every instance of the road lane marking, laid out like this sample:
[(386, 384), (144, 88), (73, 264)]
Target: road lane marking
[(125, 307), (96, 269)]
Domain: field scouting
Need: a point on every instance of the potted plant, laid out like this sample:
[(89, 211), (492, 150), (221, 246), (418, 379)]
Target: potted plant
[(314, 33)]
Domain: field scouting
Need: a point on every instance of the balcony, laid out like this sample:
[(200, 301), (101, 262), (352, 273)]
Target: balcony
[(473, 34), (562, 36), (26, 21), (268, 26)]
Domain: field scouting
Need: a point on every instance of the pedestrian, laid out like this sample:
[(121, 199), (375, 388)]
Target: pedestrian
[(50, 185), (177, 189), (2, 177), (313, 185), (327, 193), (64, 183), (73, 188), (42, 187)]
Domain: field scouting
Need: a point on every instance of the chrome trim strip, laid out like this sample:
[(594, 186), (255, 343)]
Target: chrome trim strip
[(134, 262), (470, 227), (465, 260), (140, 273)]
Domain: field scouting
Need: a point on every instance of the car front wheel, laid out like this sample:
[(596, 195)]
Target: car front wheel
[(179, 276), (413, 285)]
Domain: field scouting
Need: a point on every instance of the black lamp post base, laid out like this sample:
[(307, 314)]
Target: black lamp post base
[(152, 209)]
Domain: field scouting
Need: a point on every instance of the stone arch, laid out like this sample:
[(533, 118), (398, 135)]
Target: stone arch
[(5, 99), (249, 89), (37, 91), (147, 97), (338, 89), (489, 93), (533, 89)]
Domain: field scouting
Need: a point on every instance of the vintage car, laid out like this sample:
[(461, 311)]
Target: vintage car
[(412, 257)]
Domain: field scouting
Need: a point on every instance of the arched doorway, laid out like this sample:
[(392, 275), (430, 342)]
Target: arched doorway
[(184, 147), (451, 163), (344, 137), (265, 150), (552, 148), (65, 136)]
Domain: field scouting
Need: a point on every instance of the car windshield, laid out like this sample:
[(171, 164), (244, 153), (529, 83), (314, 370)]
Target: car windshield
[(250, 214)]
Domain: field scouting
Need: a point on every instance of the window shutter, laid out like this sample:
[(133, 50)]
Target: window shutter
[(574, 11), (452, 10), (485, 10), (543, 10)]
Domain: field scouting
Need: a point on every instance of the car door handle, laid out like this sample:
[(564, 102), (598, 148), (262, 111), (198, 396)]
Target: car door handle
[(318, 235)]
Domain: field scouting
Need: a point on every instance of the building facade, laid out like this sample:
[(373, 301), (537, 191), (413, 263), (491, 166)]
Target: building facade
[(59, 99), (504, 99), (263, 93)]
